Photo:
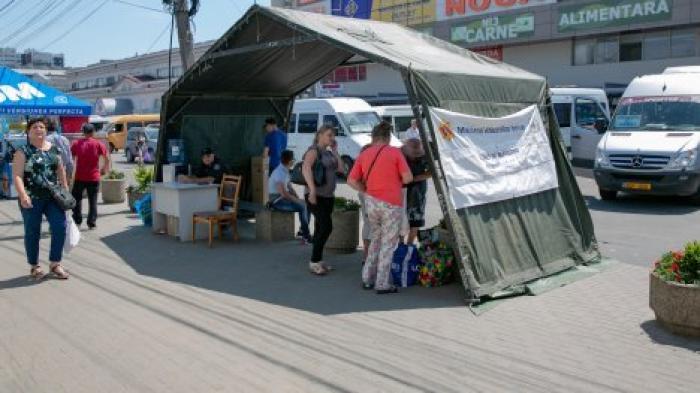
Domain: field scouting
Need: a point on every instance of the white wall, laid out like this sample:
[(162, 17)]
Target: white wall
[(553, 60), (380, 80)]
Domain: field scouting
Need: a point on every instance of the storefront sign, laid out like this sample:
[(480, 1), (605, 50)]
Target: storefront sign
[(316, 6), (451, 9), (493, 159), (607, 13), (328, 90), (404, 12), (495, 28), (494, 52)]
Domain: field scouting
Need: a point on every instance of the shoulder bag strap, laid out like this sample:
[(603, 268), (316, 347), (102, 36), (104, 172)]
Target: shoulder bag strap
[(373, 162)]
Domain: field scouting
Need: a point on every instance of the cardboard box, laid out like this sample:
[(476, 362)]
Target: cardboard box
[(258, 179)]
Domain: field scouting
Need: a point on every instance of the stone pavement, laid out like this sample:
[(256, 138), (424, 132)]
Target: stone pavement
[(143, 313)]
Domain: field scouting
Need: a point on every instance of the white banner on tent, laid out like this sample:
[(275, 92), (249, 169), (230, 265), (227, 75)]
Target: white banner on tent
[(493, 159)]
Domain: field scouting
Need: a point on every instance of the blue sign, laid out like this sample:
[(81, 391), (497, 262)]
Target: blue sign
[(359, 9), (20, 95)]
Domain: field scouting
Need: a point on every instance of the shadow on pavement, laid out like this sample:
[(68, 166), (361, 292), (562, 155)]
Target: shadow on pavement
[(20, 282), (274, 273), (660, 336), (641, 204)]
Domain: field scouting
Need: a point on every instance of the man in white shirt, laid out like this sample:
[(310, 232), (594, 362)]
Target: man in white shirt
[(411, 132), (283, 197)]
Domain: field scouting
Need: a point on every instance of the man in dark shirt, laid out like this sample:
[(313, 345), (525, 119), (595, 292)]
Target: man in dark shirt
[(210, 170)]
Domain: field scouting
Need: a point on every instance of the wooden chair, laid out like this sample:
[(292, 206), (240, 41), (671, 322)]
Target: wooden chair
[(228, 193)]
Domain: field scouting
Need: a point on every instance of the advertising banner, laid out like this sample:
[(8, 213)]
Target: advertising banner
[(455, 9), (493, 159), (404, 12), (495, 28), (317, 6), (609, 13)]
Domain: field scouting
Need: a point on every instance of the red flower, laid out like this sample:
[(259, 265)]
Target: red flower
[(677, 255), (675, 267)]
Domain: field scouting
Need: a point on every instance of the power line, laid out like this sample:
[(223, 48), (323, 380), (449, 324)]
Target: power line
[(141, 6), (73, 27), (36, 33), (6, 6), (167, 26), (31, 20)]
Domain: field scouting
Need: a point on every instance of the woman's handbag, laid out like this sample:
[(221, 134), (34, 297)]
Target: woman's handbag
[(318, 171), (63, 197)]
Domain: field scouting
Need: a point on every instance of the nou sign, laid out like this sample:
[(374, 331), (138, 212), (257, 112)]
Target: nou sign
[(24, 91), (451, 9)]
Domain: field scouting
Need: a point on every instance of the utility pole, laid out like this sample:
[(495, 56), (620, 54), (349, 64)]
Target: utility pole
[(182, 13)]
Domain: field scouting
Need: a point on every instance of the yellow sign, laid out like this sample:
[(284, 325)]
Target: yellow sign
[(404, 12)]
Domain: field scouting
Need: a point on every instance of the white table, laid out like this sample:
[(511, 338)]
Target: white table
[(182, 201)]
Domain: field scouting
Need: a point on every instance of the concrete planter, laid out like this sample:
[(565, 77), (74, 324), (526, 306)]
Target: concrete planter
[(132, 197), (113, 190), (346, 232), (677, 306)]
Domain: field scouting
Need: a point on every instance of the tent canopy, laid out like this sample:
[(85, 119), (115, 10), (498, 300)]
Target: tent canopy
[(20, 95), (271, 55)]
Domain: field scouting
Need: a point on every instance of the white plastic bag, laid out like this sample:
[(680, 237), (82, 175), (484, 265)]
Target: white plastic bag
[(72, 234)]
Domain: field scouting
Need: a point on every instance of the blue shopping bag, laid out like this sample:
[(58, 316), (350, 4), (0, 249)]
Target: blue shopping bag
[(405, 266), (143, 208)]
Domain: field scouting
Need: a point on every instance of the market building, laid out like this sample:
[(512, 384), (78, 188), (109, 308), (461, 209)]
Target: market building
[(586, 43), (132, 85)]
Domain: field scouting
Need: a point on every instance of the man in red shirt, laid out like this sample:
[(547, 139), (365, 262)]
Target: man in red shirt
[(86, 157)]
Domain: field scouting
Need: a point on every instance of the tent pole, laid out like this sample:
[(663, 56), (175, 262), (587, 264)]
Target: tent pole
[(438, 175)]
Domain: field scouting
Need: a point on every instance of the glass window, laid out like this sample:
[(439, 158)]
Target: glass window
[(362, 72), (583, 52), (308, 123), (402, 123), (352, 74), (631, 47), (387, 119), (587, 112), (341, 74), (360, 121), (563, 112), (118, 127), (292, 127), (134, 124), (683, 43), (657, 45), (606, 50), (332, 120), (668, 113), (330, 78)]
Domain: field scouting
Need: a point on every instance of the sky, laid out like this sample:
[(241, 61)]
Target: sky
[(86, 31)]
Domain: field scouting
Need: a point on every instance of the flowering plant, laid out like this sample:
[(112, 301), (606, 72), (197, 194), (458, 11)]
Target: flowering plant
[(680, 266)]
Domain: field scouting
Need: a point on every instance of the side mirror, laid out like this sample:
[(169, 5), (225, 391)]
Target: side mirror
[(601, 125)]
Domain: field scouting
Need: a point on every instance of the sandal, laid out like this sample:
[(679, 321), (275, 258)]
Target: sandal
[(58, 272), (317, 268), (37, 272), (388, 290)]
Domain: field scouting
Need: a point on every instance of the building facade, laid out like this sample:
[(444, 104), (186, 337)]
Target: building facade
[(586, 43), (31, 58), (132, 85)]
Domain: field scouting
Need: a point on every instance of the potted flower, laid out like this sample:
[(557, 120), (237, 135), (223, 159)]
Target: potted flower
[(674, 290), (445, 235), (113, 186), (346, 226), (144, 177)]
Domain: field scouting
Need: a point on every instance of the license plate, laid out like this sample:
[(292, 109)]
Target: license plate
[(637, 186)]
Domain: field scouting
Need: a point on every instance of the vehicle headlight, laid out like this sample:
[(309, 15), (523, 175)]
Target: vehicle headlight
[(601, 160), (683, 160)]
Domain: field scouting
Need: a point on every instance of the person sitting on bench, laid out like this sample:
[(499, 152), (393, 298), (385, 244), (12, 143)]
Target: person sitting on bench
[(282, 194)]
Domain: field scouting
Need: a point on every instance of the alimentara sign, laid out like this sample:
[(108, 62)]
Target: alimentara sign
[(608, 13)]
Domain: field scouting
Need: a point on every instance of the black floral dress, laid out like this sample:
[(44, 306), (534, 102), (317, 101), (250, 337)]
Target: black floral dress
[(40, 170)]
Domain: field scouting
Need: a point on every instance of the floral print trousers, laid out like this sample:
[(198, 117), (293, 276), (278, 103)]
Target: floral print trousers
[(385, 223)]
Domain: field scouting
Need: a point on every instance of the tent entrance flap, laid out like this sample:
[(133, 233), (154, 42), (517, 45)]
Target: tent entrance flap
[(270, 55)]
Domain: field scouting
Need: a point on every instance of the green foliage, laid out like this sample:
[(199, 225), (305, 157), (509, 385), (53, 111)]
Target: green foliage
[(344, 204), (144, 178), (680, 266), (114, 175)]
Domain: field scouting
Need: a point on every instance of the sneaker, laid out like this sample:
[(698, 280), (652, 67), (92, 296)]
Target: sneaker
[(306, 240), (317, 269)]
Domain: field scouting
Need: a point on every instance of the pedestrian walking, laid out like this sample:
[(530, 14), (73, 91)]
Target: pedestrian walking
[(86, 154), (35, 168), (320, 198), (380, 173), (275, 143), (63, 145), (284, 198), (416, 191)]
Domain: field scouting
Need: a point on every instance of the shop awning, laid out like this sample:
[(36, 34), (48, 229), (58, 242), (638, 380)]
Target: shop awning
[(20, 95)]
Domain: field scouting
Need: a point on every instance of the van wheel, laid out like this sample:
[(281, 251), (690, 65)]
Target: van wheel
[(607, 195), (129, 156), (112, 149), (348, 162)]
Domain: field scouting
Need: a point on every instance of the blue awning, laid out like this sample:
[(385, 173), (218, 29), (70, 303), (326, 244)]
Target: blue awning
[(20, 95)]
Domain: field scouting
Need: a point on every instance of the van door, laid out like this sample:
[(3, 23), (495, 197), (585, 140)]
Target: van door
[(564, 111), (299, 142), (584, 135)]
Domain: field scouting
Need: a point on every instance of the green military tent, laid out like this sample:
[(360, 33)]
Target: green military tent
[(271, 55)]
